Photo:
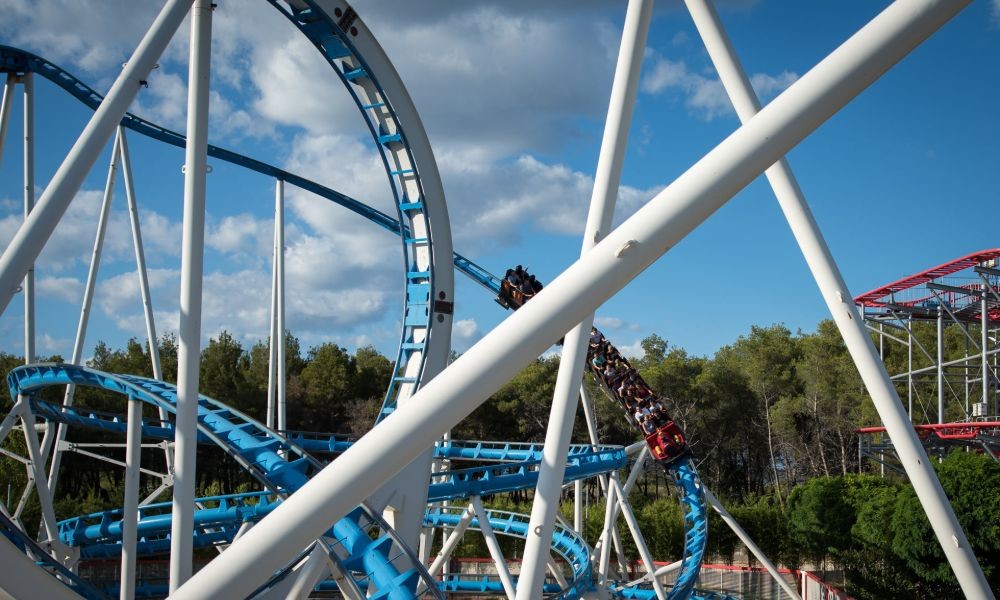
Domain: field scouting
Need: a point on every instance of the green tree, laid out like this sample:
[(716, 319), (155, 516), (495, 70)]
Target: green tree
[(766, 358), (820, 517), (972, 483)]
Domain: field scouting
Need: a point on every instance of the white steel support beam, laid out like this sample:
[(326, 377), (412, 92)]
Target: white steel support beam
[(574, 353), (140, 267), (192, 259), (309, 574), (940, 364), (605, 554), (633, 476), (655, 228), (640, 541), (130, 508), (578, 506), (272, 357), (82, 324), (279, 323), (451, 542), (10, 420), (909, 368), (41, 486), (494, 547), (28, 80), (5, 100), (35, 232), (749, 543), (556, 572), (984, 325), (590, 417), (851, 324)]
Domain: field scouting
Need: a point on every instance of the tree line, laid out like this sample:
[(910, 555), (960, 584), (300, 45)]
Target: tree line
[(770, 419)]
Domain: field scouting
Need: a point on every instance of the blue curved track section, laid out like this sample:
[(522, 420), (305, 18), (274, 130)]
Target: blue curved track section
[(278, 464)]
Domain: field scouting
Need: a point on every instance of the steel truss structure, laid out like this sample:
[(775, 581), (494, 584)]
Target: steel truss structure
[(355, 523), (952, 400)]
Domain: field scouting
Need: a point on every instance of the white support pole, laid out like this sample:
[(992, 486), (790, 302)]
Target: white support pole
[(838, 298), (578, 506), (309, 574), (29, 204), (243, 528), (590, 418), (10, 420), (451, 542), (41, 487), (574, 353), (140, 258), (984, 325), (640, 541), (633, 476), (556, 572), (279, 326), (909, 368), (51, 443), (5, 100), (272, 357), (749, 543), (130, 508), (192, 258), (140, 267), (655, 228), (35, 232), (940, 363), (494, 547), (605, 547)]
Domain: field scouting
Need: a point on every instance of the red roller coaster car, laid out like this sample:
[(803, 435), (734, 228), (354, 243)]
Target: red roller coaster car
[(667, 443)]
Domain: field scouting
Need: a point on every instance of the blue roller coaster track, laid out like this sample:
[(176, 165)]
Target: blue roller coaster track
[(282, 464)]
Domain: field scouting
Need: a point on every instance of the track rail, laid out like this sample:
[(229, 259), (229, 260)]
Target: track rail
[(279, 465)]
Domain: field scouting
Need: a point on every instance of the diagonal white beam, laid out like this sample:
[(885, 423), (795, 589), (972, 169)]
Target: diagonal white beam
[(142, 273), (619, 258), (54, 437), (749, 543), (5, 99), (640, 541), (852, 328), (493, 546)]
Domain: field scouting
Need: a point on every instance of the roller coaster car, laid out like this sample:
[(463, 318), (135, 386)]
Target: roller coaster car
[(667, 443), (509, 296)]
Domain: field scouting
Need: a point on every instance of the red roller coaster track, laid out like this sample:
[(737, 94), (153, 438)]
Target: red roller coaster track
[(883, 297)]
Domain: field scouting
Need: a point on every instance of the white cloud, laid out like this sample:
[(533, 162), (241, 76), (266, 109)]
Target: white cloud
[(464, 330), (67, 289), (608, 322), (705, 96), (501, 202), (242, 234), (633, 350), (46, 344)]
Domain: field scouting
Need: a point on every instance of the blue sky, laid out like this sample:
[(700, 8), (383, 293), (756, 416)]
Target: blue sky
[(513, 96)]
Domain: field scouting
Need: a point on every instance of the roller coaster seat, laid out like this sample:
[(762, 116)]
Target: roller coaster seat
[(667, 443)]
